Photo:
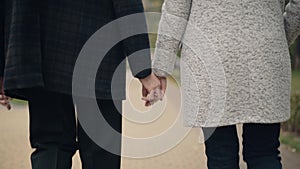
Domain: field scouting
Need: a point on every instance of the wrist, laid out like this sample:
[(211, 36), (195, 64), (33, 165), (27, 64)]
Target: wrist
[(160, 73), (143, 74), (145, 79)]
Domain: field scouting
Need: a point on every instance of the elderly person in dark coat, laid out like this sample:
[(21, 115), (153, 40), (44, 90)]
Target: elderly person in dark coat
[(40, 42)]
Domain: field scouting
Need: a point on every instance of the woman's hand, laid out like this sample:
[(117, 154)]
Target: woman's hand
[(163, 85)]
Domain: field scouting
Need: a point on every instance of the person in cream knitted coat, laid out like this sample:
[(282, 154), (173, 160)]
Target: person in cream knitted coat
[(235, 68)]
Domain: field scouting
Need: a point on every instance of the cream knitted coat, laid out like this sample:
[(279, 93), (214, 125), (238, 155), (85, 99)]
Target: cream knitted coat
[(235, 62)]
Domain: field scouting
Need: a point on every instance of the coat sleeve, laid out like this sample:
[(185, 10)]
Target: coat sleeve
[(140, 64), (292, 20), (175, 14), (2, 39)]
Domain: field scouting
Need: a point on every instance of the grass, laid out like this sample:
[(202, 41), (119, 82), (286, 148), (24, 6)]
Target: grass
[(291, 140), (296, 81), (18, 102)]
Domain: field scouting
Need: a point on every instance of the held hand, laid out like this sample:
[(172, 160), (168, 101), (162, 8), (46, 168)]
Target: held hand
[(163, 86), (149, 83), (4, 100), (145, 95), (156, 94)]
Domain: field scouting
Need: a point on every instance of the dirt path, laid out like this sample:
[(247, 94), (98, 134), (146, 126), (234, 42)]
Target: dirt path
[(189, 154)]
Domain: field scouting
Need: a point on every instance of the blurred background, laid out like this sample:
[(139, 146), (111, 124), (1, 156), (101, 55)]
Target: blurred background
[(188, 154)]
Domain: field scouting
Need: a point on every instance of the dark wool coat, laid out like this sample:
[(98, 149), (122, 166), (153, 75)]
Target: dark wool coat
[(41, 40)]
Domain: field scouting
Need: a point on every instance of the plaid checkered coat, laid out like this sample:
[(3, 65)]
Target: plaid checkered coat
[(41, 40)]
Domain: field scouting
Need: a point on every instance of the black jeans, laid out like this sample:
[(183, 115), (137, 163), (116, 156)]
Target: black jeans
[(53, 133), (260, 146)]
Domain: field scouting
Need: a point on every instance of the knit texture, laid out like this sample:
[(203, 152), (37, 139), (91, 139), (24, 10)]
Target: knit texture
[(235, 62)]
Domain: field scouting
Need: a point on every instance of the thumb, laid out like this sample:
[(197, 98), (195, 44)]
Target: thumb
[(144, 91)]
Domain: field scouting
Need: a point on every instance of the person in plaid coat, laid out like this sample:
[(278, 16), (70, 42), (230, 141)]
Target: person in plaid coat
[(40, 42)]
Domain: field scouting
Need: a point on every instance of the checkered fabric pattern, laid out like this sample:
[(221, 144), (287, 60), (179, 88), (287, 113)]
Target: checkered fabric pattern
[(42, 40)]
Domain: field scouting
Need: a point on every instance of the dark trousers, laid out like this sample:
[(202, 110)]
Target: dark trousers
[(260, 146), (54, 133)]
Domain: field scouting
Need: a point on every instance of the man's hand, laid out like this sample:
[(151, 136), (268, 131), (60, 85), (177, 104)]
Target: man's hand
[(155, 94), (149, 83), (4, 100)]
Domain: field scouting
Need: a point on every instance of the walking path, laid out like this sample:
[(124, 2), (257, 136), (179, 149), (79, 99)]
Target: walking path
[(188, 154)]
